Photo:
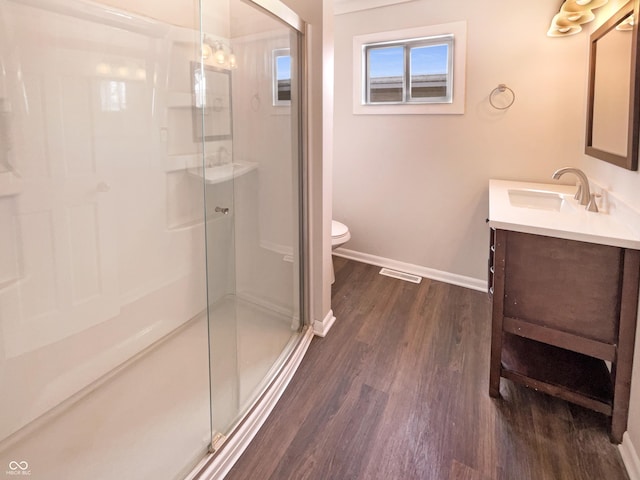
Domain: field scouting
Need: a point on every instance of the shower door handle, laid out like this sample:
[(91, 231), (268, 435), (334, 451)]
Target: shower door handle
[(223, 210)]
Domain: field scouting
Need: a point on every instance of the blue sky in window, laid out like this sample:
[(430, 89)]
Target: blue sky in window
[(389, 62), (283, 67), (386, 62)]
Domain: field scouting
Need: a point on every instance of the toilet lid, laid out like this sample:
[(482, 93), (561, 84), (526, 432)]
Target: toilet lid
[(338, 229)]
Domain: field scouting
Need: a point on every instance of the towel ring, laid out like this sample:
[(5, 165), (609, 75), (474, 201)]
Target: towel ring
[(501, 89)]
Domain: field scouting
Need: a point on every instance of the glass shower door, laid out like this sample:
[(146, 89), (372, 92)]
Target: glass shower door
[(103, 327), (253, 204)]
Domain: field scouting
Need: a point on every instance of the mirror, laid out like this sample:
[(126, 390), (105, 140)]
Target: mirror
[(211, 103), (612, 115)]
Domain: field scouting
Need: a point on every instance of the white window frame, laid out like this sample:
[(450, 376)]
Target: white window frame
[(277, 53), (407, 79), (397, 37)]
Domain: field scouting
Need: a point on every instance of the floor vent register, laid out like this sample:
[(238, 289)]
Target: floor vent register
[(407, 277)]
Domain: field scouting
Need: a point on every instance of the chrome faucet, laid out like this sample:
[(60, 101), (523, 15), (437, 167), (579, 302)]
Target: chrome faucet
[(222, 153), (220, 158), (583, 194)]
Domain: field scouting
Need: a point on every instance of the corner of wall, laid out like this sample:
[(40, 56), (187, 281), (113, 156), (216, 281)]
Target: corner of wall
[(630, 457), (322, 327)]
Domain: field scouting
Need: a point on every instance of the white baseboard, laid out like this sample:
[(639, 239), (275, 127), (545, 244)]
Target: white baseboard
[(215, 467), (321, 328), (446, 277), (630, 457)]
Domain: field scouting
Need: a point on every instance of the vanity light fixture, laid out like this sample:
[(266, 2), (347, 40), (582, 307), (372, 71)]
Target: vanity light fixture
[(219, 53), (582, 5), (576, 16), (573, 14), (205, 50), (561, 26), (220, 57), (232, 61)]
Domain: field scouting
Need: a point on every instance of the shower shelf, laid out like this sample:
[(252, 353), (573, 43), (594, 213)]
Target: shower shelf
[(193, 224), (224, 172), (182, 161)]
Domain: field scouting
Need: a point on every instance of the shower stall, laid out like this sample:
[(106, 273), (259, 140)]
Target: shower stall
[(152, 232)]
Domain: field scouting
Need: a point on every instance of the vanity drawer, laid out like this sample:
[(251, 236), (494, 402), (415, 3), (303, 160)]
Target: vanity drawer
[(564, 285)]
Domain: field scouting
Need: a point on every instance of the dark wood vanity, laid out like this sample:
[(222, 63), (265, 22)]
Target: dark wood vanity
[(561, 309)]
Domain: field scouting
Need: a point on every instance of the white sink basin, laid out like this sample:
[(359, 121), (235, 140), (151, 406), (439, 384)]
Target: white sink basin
[(224, 172), (530, 198), (550, 210)]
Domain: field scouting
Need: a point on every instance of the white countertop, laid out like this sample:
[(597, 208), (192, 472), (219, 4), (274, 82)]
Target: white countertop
[(572, 223)]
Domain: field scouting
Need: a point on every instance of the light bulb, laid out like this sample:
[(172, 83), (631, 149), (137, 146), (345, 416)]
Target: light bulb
[(103, 69), (206, 51), (577, 14), (219, 56), (232, 61), (562, 29), (578, 5)]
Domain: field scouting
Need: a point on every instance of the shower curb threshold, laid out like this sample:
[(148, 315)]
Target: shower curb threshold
[(215, 466)]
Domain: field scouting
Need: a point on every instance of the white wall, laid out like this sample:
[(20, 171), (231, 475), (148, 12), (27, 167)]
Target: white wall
[(266, 203), (413, 188), (316, 14)]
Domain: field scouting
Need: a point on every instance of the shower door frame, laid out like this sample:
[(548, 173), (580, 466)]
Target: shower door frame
[(218, 463)]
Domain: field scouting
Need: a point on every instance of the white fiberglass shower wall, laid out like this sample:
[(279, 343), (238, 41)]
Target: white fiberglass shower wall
[(150, 237)]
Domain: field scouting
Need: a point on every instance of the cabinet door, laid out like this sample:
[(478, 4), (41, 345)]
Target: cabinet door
[(563, 284)]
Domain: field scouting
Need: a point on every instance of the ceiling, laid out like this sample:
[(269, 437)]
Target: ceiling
[(347, 6)]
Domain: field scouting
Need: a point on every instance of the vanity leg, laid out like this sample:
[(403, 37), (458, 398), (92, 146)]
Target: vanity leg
[(494, 372), (622, 368)]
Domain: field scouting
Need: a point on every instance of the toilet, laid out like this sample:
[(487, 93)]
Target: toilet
[(339, 236)]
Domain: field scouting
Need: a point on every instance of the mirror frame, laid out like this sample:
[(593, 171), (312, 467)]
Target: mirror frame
[(202, 129), (630, 161)]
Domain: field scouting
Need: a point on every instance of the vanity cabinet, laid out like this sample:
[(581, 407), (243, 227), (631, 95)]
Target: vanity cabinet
[(561, 309)]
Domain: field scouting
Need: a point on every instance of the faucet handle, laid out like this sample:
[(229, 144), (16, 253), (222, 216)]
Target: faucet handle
[(592, 206)]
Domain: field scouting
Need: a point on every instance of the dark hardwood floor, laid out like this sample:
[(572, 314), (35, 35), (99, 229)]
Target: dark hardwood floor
[(398, 390)]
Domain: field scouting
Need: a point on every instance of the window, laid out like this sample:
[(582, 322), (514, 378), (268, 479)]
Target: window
[(281, 77), (410, 71), (113, 96)]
